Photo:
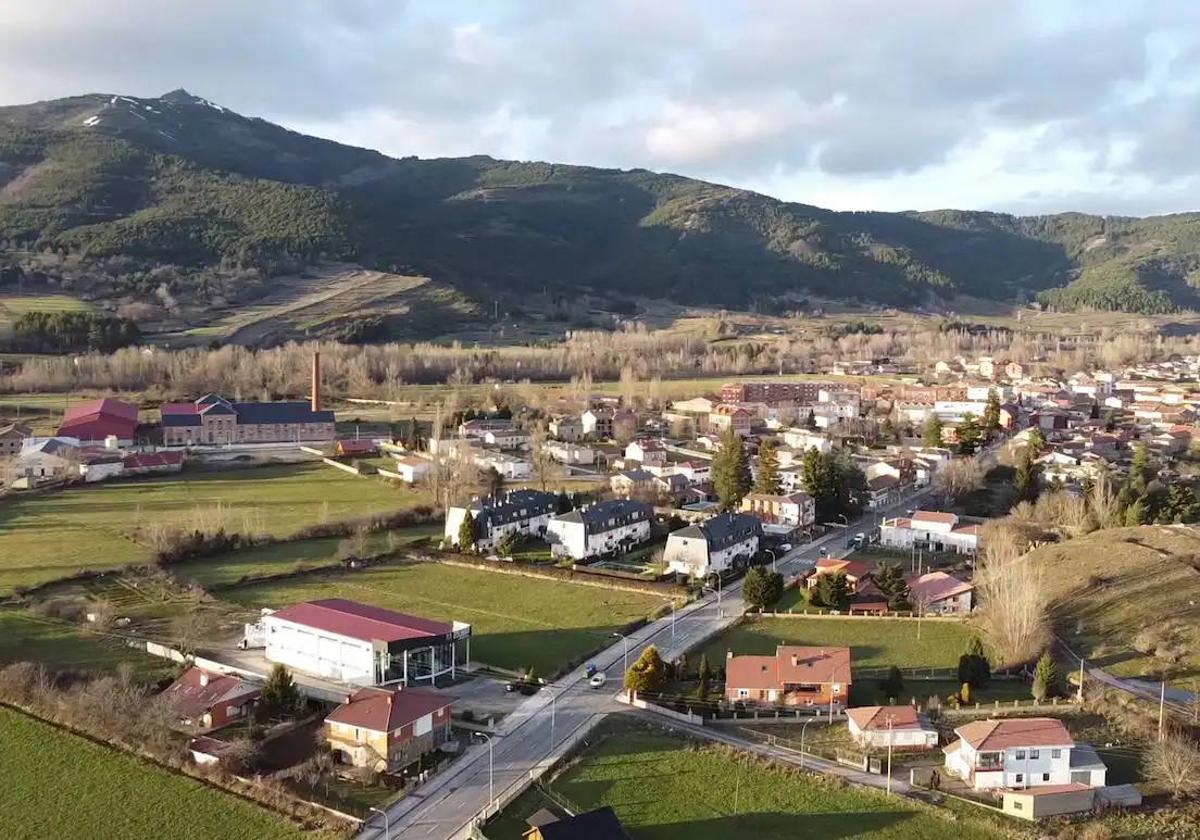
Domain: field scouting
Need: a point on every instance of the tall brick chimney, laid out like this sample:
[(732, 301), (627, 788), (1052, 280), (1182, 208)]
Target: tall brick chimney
[(316, 380)]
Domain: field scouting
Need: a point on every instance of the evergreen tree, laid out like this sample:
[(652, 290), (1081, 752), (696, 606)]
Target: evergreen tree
[(1135, 514), (466, 532), (279, 692), (493, 481), (832, 592), (1037, 441), (704, 678), (1181, 505), (767, 480), (991, 413), (649, 673), (974, 668), (1045, 674), (1025, 479), (1141, 470), (931, 436), (731, 470), (412, 441), (762, 588), (888, 431), (890, 581), (969, 434), (811, 422)]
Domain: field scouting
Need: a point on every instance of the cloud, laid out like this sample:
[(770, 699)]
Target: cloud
[(859, 103)]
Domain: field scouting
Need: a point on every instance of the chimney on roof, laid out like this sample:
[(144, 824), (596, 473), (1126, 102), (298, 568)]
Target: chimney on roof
[(203, 678), (316, 380)]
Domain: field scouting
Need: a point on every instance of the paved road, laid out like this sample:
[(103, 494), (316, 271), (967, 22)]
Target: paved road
[(545, 724)]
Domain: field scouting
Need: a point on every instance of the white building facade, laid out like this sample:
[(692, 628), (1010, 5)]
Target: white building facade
[(602, 528)]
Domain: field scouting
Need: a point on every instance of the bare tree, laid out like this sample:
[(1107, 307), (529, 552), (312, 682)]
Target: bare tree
[(1013, 610), (959, 478), (1174, 763), (1103, 504), (546, 470)]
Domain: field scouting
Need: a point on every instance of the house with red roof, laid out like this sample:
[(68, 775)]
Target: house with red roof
[(1017, 753), (793, 676), (900, 726), (856, 571), (94, 421), (941, 594), (359, 644), (387, 729), (209, 700)]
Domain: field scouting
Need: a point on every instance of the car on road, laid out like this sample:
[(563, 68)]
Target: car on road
[(598, 680), (785, 547)]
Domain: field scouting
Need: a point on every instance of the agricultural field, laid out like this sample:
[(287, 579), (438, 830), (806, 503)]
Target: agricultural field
[(516, 621), (60, 785), (46, 537), (13, 306), (25, 637), (283, 558), (662, 788), (1129, 600)]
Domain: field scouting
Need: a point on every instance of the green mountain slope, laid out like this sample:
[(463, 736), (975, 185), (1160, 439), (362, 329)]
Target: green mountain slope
[(131, 185)]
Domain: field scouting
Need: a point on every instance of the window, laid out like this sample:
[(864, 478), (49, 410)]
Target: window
[(1045, 777), (1056, 753), (1018, 805), (1020, 777), (1020, 755), (743, 692), (1034, 754)]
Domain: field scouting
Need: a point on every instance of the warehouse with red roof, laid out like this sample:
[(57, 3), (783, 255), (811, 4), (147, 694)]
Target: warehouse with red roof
[(359, 644), (95, 421)]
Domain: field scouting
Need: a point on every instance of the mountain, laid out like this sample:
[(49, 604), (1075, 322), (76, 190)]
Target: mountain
[(178, 198)]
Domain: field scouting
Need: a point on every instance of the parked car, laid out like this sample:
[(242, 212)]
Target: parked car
[(598, 680)]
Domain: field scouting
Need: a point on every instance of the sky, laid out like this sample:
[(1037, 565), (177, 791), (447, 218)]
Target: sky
[(1025, 107)]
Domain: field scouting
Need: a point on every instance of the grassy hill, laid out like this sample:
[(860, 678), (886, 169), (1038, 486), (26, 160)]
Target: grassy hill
[(176, 198), (1129, 599)]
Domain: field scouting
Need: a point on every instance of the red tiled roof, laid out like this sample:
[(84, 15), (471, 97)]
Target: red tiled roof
[(198, 690), (361, 621), (97, 419), (1015, 732), (932, 587), (387, 709), (142, 460), (106, 406), (934, 516), (789, 665), (876, 717)]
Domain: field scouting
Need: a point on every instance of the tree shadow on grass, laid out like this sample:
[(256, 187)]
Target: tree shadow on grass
[(775, 824)]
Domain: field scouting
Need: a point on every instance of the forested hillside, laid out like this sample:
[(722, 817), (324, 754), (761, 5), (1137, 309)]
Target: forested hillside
[(131, 186)]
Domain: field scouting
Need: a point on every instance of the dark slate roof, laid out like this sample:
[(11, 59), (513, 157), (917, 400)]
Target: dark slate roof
[(513, 506), (600, 824), (280, 412), (596, 518), (723, 531)]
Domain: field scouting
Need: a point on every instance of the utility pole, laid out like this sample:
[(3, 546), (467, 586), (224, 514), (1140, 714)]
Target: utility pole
[(889, 767), (1162, 706)]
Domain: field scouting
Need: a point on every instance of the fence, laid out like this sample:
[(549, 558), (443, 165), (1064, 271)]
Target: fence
[(906, 615), (639, 703)]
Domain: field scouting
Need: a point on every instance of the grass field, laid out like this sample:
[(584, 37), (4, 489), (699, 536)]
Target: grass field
[(516, 621), (13, 307), (26, 637), (873, 643), (282, 558), (59, 785), (51, 536), (1120, 595), (664, 789)]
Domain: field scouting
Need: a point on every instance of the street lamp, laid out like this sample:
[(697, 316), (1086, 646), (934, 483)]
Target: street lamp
[(491, 767), (387, 829), (803, 727), (845, 520), (771, 551), (625, 659)]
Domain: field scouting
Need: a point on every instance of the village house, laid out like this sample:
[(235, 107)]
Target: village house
[(566, 452), (794, 676), (598, 824), (356, 448), (411, 468), (521, 512), (671, 485), (601, 528), (631, 482), (938, 593), (479, 427), (806, 439), (687, 418), (857, 572), (569, 429), (794, 509), (12, 438), (1021, 753), (646, 452), (206, 700), (727, 416), (929, 531), (713, 546), (510, 467), (772, 393), (387, 729), (901, 727), (696, 472)]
